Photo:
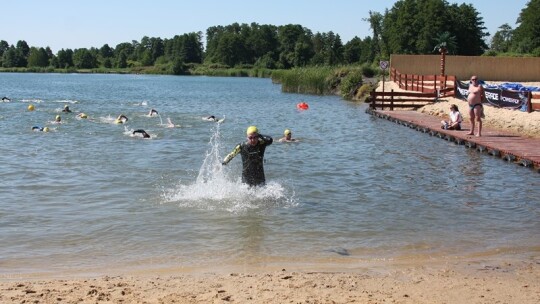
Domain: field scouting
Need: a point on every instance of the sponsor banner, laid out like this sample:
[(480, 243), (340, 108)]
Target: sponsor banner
[(497, 97)]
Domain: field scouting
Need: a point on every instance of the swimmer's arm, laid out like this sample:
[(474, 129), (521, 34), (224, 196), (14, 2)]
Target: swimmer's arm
[(231, 155), (265, 139)]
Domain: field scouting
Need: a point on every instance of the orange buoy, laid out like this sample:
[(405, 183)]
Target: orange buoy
[(302, 106)]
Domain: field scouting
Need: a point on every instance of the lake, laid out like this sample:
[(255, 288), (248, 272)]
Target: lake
[(89, 197)]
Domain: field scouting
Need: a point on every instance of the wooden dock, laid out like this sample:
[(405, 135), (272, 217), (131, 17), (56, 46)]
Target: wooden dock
[(510, 147)]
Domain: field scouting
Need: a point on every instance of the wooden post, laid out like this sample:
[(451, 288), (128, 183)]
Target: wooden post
[(392, 100)]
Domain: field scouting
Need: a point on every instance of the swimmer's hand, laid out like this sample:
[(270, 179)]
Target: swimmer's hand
[(223, 163)]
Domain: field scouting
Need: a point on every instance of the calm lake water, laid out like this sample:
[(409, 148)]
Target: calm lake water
[(88, 197)]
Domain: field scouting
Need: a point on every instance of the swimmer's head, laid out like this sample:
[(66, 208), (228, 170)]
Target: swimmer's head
[(46, 129), (82, 115), (287, 132), (31, 107), (251, 130), (58, 118), (66, 107)]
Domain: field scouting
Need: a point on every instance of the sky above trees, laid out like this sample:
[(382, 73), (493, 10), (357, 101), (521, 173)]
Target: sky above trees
[(84, 24)]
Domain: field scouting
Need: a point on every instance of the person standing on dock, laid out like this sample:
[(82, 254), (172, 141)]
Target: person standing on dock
[(252, 152), (476, 110)]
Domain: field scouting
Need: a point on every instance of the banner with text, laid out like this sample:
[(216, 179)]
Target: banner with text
[(497, 97)]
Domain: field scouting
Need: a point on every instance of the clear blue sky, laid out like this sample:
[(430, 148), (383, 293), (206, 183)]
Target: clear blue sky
[(93, 23)]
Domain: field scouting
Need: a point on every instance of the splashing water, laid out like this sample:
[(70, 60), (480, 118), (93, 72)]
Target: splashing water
[(214, 189)]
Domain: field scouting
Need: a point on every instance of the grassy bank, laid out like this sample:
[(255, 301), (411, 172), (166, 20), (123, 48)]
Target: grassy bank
[(346, 81)]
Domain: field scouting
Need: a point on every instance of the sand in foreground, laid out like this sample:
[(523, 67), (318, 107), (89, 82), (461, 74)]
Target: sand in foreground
[(500, 282)]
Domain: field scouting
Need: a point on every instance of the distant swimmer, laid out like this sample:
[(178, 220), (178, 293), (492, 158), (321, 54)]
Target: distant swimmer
[(121, 119), (287, 137), (37, 128), (153, 112), (5, 99), (213, 118), (58, 119), (252, 152), (66, 109), (169, 123), (82, 115), (142, 132)]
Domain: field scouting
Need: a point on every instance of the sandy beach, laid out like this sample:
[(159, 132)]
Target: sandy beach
[(497, 277), (464, 282), (513, 121)]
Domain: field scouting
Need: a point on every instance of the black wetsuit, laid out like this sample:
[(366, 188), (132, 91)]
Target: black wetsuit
[(143, 132), (252, 160)]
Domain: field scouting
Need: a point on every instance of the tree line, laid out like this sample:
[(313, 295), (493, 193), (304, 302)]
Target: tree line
[(409, 27)]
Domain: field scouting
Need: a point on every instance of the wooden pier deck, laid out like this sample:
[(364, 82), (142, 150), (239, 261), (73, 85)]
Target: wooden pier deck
[(510, 147)]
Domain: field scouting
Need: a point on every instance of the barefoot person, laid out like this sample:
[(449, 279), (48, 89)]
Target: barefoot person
[(252, 152), (455, 119), (476, 110)]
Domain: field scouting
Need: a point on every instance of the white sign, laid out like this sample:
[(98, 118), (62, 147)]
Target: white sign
[(384, 65)]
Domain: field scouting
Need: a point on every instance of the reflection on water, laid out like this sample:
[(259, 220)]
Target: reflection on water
[(90, 196)]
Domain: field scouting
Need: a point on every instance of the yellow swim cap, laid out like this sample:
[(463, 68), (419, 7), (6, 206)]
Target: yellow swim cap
[(252, 129), (83, 115), (31, 107), (287, 132), (46, 129), (58, 118)]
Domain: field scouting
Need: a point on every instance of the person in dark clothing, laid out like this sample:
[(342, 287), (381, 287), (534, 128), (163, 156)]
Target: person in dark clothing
[(252, 152), (143, 132)]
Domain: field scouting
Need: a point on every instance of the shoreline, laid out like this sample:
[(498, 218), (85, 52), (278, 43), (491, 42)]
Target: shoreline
[(469, 279), (461, 282)]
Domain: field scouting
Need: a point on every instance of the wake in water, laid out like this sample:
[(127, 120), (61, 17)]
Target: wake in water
[(216, 189)]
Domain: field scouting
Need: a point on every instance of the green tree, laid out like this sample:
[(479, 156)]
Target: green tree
[(10, 58), (526, 36), (288, 36), (121, 61), (38, 57), (64, 59), (106, 51), (4, 46), (468, 28), (500, 42), (352, 50), (84, 59)]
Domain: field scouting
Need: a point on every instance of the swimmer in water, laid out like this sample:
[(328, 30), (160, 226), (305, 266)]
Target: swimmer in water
[(37, 128), (169, 123), (82, 115), (121, 119), (142, 132), (5, 99), (287, 137), (66, 109), (58, 119), (153, 112), (252, 152)]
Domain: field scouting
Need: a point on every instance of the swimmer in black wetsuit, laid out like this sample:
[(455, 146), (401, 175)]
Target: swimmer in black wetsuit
[(252, 152), (6, 99), (143, 132), (153, 112), (66, 109), (37, 128)]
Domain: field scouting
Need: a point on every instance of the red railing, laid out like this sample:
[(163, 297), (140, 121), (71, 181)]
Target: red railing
[(442, 85)]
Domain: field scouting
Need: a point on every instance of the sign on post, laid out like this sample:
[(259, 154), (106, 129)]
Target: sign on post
[(384, 65)]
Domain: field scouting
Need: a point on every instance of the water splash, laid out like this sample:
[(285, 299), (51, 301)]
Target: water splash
[(220, 188)]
